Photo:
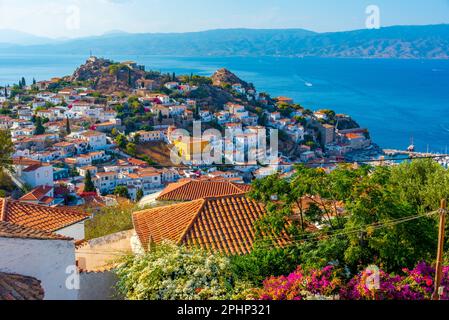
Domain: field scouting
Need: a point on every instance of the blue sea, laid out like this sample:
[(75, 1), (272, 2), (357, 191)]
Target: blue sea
[(394, 99)]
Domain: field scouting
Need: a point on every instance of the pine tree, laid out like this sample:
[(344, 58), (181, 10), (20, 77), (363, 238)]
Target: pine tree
[(88, 184)]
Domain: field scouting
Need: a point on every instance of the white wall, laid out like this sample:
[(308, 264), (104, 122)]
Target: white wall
[(75, 231), (45, 260)]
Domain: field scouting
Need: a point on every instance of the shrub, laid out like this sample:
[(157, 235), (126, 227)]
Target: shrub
[(169, 272), (329, 283), (110, 220)]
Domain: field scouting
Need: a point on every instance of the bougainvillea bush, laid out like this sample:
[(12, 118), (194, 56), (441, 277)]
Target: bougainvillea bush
[(330, 283)]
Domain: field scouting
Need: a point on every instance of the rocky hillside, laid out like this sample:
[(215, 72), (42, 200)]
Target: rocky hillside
[(225, 77), (107, 76)]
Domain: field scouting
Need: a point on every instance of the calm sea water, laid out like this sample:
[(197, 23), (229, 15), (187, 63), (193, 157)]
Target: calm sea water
[(395, 99)]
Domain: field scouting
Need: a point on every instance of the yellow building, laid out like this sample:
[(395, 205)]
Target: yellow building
[(191, 149)]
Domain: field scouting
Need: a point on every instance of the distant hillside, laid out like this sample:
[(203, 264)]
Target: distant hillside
[(422, 42), (13, 37)]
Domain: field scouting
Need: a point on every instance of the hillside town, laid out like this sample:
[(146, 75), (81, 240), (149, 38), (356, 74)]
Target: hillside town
[(104, 136)]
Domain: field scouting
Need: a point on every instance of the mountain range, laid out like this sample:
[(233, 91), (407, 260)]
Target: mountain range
[(415, 42)]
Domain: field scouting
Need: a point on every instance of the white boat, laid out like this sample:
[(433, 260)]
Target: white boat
[(308, 84)]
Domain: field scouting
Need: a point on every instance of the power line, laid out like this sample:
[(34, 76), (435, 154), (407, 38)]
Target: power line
[(317, 239), (311, 240)]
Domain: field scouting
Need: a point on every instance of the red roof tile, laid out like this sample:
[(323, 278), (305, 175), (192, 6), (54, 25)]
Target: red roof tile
[(37, 194), (39, 217), (18, 287), (222, 224), (9, 230), (195, 189)]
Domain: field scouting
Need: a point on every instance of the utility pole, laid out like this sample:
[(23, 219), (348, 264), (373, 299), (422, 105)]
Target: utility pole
[(439, 266)]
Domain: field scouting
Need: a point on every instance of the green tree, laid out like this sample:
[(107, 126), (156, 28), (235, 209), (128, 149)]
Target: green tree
[(6, 150), (67, 126), (39, 128), (351, 205), (159, 116), (137, 138), (131, 149), (139, 195), (88, 183), (121, 141), (122, 191)]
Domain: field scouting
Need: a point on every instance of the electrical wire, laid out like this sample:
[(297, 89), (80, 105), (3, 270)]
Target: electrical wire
[(337, 234)]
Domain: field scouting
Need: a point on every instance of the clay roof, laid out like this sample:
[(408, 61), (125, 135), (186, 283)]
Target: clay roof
[(34, 167), (36, 194), (39, 217), (222, 224), (18, 287), (21, 161), (9, 230), (188, 190)]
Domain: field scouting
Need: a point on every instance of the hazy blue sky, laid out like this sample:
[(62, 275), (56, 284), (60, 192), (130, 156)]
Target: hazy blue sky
[(73, 18)]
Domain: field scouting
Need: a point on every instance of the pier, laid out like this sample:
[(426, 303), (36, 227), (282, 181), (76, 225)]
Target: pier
[(392, 153)]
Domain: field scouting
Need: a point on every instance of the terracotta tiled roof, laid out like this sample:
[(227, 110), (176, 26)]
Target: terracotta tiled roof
[(17, 287), (189, 190), (222, 224), (9, 230), (36, 194), (34, 167), (21, 161), (39, 217)]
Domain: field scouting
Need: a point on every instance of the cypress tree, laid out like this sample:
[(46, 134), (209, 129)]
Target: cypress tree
[(67, 126), (88, 184), (40, 129)]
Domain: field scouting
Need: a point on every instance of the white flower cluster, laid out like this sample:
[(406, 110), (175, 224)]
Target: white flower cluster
[(170, 272)]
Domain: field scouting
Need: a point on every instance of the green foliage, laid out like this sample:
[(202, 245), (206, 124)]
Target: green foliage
[(6, 184), (131, 149), (67, 126), (6, 150), (169, 272), (139, 195), (122, 191), (121, 141), (110, 220), (88, 184), (40, 129), (265, 261), (370, 197)]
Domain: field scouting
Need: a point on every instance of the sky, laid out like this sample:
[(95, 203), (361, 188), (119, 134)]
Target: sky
[(79, 18)]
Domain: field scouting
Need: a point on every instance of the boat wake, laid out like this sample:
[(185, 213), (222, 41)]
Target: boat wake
[(444, 128)]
